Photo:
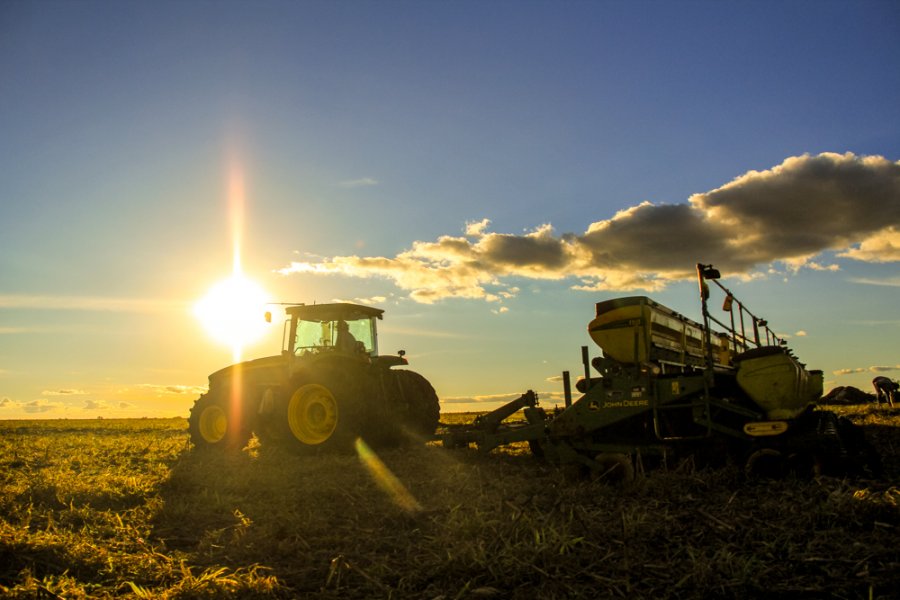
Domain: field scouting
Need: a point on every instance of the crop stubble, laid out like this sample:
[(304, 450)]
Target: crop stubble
[(123, 508)]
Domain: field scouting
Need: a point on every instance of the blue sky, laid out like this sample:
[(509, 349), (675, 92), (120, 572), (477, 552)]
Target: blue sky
[(393, 131)]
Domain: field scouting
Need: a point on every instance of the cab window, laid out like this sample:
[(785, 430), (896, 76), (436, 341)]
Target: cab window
[(315, 336)]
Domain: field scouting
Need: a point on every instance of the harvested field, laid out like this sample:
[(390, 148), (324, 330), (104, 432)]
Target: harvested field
[(123, 508)]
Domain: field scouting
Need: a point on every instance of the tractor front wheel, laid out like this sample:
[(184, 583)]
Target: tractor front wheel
[(312, 414), (216, 423), (322, 415)]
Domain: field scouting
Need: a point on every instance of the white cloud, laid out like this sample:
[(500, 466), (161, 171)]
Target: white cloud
[(812, 265), (421, 332), (888, 282), (849, 371), (872, 369), (66, 392), (882, 247), (789, 214), (14, 330), (483, 399), (368, 301), (357, 183), (491, 401), (477, 228), (173, 389), (89, 303), (41, 406)]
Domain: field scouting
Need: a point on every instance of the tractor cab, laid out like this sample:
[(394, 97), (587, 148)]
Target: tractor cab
[(343, 327)]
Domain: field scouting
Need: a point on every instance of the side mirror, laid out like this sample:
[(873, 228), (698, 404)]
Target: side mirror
[(401, 353), (709, 273)]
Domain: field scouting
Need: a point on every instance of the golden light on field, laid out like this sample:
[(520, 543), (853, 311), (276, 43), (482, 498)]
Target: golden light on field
[(233, 312)]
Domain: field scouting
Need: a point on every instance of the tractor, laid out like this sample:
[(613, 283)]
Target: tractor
[(328, 387), (670, 388)]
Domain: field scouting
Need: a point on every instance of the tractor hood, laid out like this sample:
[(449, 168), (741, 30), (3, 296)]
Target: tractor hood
[(258, 370)]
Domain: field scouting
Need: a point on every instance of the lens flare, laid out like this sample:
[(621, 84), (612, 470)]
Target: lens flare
[(385, 479), (233, 311)]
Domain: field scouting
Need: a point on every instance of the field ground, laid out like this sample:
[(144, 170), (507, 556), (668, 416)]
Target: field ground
[(123, 508)]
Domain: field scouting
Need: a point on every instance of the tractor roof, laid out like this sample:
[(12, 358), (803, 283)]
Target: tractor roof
[(333, 312)]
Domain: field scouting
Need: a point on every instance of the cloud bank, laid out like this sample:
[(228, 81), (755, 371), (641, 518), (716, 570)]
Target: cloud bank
[(192, 390), (548, 398), (790, 213), (87, 303), (873, 369)]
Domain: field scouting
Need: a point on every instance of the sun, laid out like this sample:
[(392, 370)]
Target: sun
[(233, 312)]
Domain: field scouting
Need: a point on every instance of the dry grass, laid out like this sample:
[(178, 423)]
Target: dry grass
[(122, 508)]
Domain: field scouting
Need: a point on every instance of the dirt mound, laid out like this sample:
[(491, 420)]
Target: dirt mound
[(847, 395)]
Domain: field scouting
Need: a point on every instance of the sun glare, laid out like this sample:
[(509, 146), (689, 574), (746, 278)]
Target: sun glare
[(233, 312)]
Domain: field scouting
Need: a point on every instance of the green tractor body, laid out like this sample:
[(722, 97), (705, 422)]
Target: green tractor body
[(328, 386), (669, 386)]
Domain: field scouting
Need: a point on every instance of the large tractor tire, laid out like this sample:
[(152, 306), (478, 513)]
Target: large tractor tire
[(318, 416), (423, 410), (217, 422)]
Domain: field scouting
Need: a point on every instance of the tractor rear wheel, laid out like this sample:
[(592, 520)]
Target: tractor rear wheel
[(423, 410), (216, 423)]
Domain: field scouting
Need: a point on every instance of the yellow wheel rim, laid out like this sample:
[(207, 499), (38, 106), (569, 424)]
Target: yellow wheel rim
[(312, 414), (213, 424)]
